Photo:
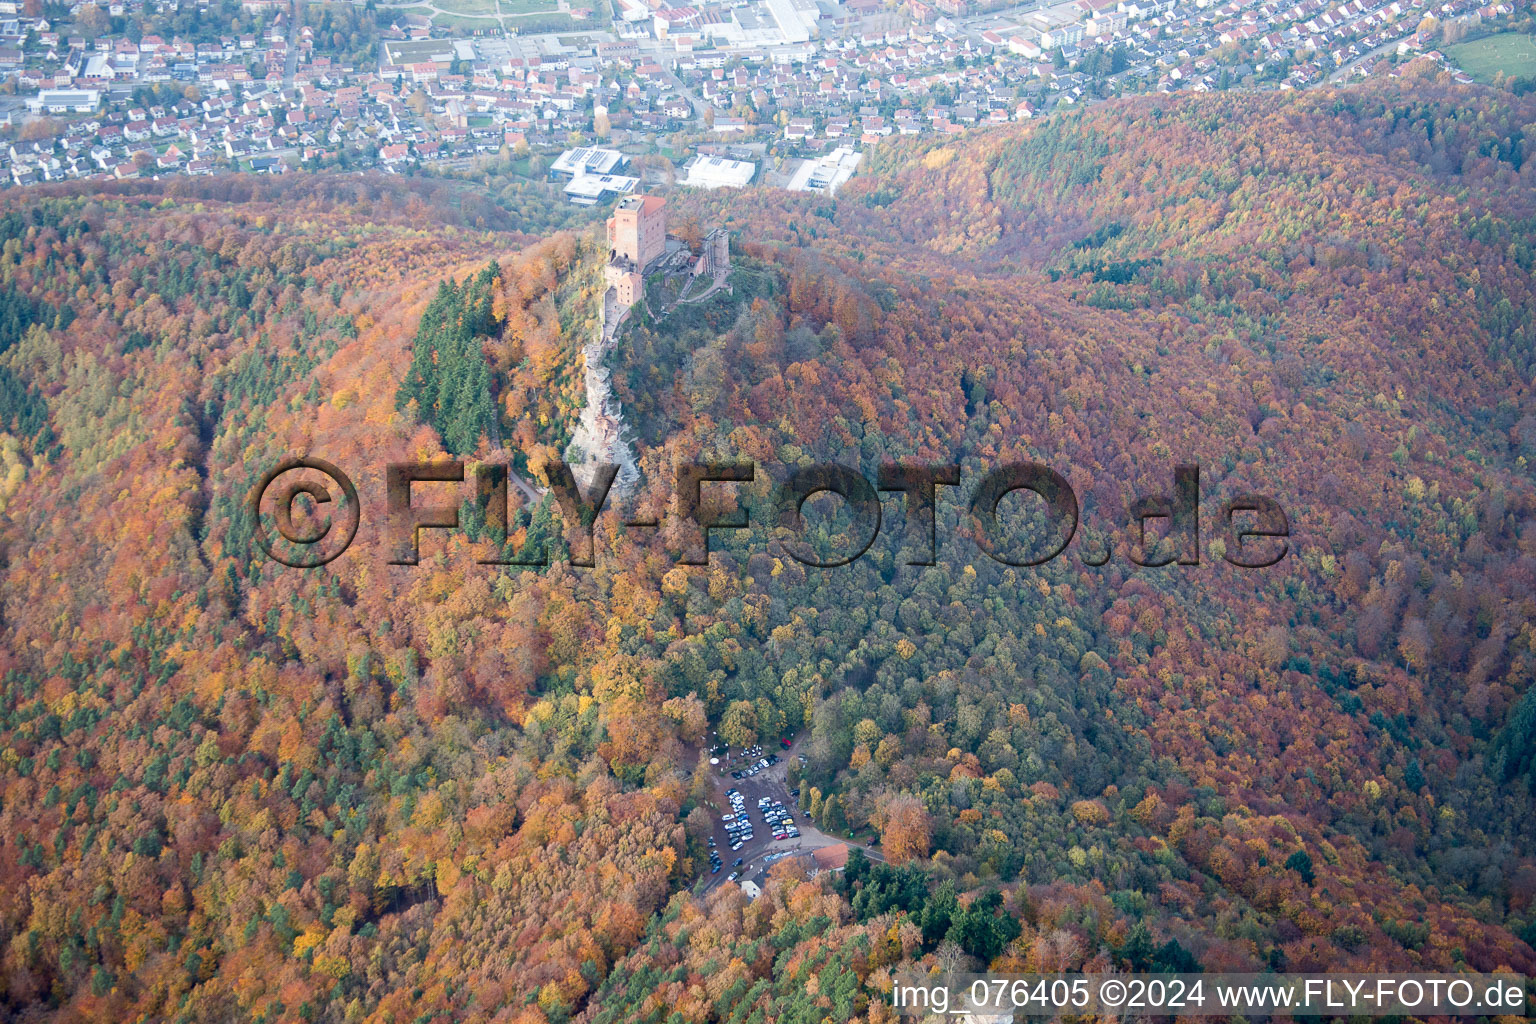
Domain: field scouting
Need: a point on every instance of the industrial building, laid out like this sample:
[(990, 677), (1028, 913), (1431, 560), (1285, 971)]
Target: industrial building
[(575, 163), (827, 173), (718, 172), (796, 19), (66, 101), (398, 56), (591, 189)]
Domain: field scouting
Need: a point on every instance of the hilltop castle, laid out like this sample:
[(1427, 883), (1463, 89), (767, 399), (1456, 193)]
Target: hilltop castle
[(638, 243), (637, 236)]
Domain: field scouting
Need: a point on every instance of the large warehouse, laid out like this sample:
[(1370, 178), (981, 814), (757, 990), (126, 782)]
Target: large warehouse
[(717, 172)]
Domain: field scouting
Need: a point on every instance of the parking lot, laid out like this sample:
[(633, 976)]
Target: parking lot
[(758, 853), (753, 816)]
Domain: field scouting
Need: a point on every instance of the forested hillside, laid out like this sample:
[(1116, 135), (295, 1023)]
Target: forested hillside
[(367, 791)]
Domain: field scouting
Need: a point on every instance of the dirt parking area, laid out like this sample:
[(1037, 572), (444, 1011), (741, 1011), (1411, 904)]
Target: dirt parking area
[(762, 850)]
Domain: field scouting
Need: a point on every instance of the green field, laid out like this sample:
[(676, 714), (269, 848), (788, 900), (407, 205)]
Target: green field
[(469, 8), (519, 8), (1510, 52), (467, 11), (465, 22)]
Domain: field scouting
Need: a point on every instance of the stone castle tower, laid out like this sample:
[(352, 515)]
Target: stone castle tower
[(637, 235)]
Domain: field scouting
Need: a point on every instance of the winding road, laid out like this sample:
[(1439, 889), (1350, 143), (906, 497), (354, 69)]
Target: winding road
[(531, 494)]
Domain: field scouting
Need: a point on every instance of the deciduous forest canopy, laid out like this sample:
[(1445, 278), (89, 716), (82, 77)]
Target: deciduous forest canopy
[(232, 790)]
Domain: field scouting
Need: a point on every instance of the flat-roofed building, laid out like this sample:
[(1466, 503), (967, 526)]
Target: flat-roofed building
[(796, 19), (718, 172), (591, 189), (397, 55), (574, 163), (66, 101), (826, 174)]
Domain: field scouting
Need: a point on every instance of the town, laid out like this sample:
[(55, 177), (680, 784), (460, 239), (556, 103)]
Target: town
[(785, 93)]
